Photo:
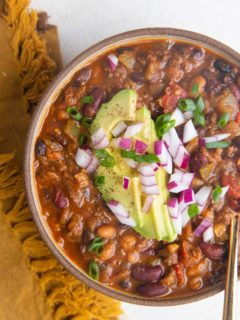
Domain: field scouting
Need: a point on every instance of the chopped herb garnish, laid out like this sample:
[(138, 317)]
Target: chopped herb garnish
[(163, 124), (199, 118), (74, 113), (86, 122), (200, 104), (222, 122), (149, 158), (87, 99), (217, 144), (193, 210), (216, 193), (96, 245), (99, 180), (186, 105), (82, 139), (106, 160), (195, 89), (93, 270)]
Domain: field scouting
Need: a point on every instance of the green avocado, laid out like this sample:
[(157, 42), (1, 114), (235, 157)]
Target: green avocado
[(157, 223), (121, 107)]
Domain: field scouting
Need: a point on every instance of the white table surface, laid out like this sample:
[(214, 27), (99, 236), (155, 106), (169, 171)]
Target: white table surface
[(82, 23)]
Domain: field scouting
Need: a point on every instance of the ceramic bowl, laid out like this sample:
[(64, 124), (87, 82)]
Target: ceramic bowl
[(37, 121)]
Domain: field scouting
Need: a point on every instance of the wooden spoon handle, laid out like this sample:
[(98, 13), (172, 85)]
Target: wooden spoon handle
[(230, 298)]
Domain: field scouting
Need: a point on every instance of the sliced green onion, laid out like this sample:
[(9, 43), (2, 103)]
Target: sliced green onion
[(186, 105), (74, 113), (222, 122), (163, 124), (199, 118), (87, 99), (93, 270), (200, 104), (149, 158), (216, 193), (82, 139), (217, 144), (86, 122), (106, 160), (99, 180), (193, 210), (96, 245), (195, 89)]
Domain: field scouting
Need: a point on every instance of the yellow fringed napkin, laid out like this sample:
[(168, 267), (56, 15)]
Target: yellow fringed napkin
[(49, 291)]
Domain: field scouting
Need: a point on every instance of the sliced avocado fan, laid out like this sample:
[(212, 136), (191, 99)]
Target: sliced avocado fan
[(157, 223)]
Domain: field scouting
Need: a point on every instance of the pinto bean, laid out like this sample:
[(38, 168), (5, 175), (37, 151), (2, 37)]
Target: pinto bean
[(152, 290), (146, 273), (213, 251), (106, 231), (90, 110)]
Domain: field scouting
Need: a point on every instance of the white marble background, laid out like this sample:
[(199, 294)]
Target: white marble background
[(82, 23)]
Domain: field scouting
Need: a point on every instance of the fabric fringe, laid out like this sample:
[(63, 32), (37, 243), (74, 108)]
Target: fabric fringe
[(67, 296), (36, 68)]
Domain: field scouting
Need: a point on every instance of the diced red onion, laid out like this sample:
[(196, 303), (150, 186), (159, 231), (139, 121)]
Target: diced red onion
[(188, 115), (177, 224), (125, 143), (104, 143), (185, 178), (151, 190), (83, 158), (185, 199), (117, 208), (126, 182), (224, 191), (147, 204), (176, 187), (133, 130), (208, 234), (202, 195), (126, 220), (131, 163), (202, 227), (172, 142), (165, 159), (189, 132), (182, 158), (98, 136), (112, 60), (60, 200), (140, 147), (178, 116), (148, 181), (215, 138), (119, 129), (173, 207), (185, 217), (93, 166), (146, 170)]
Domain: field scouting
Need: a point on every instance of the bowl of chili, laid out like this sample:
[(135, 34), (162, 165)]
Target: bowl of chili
[(99, 177)]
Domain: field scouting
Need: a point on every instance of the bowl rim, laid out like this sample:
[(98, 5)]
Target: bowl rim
[(125, 38)]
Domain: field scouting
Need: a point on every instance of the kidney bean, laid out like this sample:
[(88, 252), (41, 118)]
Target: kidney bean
[(84, 75), (222, 66), (152, 290), (213, 251), (146, 273), (90, 110), (60, 200), (40, 148), (137, 77)]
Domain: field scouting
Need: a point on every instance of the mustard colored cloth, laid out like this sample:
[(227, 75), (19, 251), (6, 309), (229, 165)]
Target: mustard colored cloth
[(33, 286)]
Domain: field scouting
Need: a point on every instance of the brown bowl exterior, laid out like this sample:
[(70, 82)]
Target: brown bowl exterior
[(38, 118)]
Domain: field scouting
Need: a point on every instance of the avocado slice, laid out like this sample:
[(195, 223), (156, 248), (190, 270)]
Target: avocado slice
[(157, 223), (121, 107)]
